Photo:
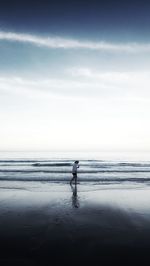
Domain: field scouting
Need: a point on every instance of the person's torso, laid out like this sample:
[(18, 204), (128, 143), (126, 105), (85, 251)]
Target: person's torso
[(74, 168)]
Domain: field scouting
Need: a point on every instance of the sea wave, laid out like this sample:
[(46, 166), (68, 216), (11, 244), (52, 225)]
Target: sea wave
[(56, 170), (67, 171), (80, 179)]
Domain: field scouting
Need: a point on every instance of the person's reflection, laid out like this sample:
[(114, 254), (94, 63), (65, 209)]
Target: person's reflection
[(75, 200)]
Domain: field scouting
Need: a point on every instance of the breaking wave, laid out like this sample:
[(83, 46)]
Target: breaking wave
[(60, 170)]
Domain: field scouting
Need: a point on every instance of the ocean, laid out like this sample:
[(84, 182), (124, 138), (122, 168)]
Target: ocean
[(104, 220), (95, 167)]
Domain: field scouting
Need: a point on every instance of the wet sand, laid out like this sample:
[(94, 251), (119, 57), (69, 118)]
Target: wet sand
[(60, 225)]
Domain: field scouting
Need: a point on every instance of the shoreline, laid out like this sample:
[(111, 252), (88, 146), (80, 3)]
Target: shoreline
[(62, 226)]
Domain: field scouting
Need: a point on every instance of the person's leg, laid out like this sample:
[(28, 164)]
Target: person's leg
[(72, 179), (75, 179)]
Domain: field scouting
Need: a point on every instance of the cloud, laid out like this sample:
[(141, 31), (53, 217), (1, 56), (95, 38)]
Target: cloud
[(88, 73), (82, 84), (131, 82), (65, 43), (44, 87)]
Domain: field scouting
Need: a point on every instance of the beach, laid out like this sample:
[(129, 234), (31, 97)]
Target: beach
[(55, 224)]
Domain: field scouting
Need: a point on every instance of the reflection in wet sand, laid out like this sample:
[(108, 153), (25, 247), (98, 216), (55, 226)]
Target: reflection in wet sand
[(75, 199)]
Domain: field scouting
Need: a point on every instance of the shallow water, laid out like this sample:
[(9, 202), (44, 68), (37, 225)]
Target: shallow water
[(96, 168)]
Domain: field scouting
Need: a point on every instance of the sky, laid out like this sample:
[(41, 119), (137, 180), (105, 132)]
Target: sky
[(74, 75)]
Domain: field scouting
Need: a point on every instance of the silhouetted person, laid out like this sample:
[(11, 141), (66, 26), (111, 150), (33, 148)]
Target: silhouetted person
[(74, 172)]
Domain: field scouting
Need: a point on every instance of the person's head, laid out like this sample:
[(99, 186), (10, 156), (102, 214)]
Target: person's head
[(76, 162)]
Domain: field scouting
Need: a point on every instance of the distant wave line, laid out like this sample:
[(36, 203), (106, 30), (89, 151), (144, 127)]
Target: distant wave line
[(80, 172), (68, 163), (66, 179), (94, 165), (40, 161)]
